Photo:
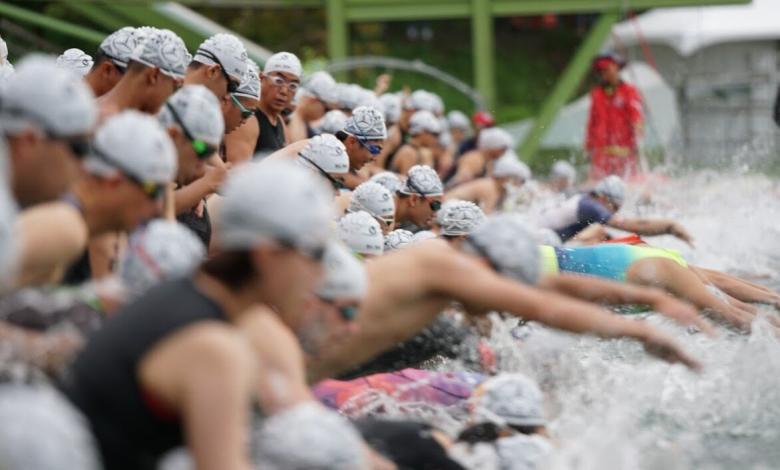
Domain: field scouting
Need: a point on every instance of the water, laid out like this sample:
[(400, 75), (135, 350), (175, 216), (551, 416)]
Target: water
[(613, 407)]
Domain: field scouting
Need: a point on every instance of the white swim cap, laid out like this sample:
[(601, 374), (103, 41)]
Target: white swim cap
[(424, 180), (75, 60), (333, 121), (283, 62), (275, 200), (41, 430), (327, 153), (613, 188), (6, 72), (199, 111), (50, 98), (165, 50), (494, 138), (309, 437), (458, 120), (509, 399), (3, 50), (142, 32), (509, 247), (321, 85), (224, 49), (119, 45), (361, 232), (345, 277), (347, 95), (458, 217), (134, 144), (438, 105), (523, 452), (563, 169), (398, 238), (389, 180), (375, 199), (423, 235), (508, 166), (424, 121), (250, 83), (367, 124), (422, 100), (159, 251), (391, 103)]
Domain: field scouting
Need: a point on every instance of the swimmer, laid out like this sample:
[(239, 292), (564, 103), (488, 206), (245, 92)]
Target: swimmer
[(317, 96), (241, 138), (378, 201), (417, 202), (325, 156), (424, 130), (111, 60), (600, 206), (408, 288), (279, 81), (563, 175), (492, 144), (361, 232), (76, 61), (489, 192)]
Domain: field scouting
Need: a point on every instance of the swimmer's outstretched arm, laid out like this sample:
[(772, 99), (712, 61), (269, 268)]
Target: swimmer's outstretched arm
[(591, 289), (480, 288), (651, 227)]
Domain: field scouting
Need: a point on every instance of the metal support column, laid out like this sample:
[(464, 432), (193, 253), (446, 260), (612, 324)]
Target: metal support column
[(483, 50)]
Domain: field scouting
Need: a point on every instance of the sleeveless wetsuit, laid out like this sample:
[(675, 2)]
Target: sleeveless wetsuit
[(201, 226), (610, 261), (132, 427), (271, 137)]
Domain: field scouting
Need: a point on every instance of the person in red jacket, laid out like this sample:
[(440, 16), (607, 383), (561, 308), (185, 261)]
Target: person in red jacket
[(615, 122)]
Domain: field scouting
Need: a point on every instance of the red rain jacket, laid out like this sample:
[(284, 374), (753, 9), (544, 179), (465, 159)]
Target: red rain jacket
[(615, 119)]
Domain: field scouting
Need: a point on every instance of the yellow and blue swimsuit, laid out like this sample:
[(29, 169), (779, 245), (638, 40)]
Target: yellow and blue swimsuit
[(609, 261)]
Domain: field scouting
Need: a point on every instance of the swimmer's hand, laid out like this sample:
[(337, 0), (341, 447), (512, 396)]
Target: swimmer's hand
[(664, 347), (682, 312), (679, 231)]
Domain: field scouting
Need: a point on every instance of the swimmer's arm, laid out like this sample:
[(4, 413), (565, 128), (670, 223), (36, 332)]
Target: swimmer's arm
[(297, 129), (650, 227), (352, 180), (191, 195), (240, 144), (596, 290), (404, 160), (103, 254), (467, 170), (51, 237)]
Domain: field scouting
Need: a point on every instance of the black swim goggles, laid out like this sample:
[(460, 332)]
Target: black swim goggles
[(232, 84), (435, 205), (202, 149), (152, 189)]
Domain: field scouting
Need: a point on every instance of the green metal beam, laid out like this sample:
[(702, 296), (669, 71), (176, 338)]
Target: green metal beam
[(22, 15), (567, 84), (338, 30), (483, 50)]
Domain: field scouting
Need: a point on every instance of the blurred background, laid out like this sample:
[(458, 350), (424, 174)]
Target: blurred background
[(707, 69)]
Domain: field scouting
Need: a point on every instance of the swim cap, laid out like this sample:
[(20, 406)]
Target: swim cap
[(398, 238), (348, 95), (563, 169), (250, 82), (506, 243), (494, 139), (76, 60), (368, 98), (321, 85), (333, 121), (509, 399), (424, 121), (345, 277), (161, 250), (438, 104), (309, 437), (6, 72), (283, 62), (367, 124), (226, 49), (361, 233), (508, 166), (389, 180), (326, 152), (458, 217), (3, 51), (613, 188), (274, 200), (41, 430), (422, 100), (458, 120), (50, 98), (523, 452), (484, 119), (165, 50), (373, 198), (119, 45), (142, 32), (199, 110), (134, 144), (392, 107), (423, 235), (424, 180)]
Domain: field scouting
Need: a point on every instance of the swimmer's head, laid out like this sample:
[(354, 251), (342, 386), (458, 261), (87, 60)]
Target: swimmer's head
[(425, 127), (398, 238), (324, 155), (389, 180), (459, 218), (76, 61), (509, 169), (494, 142), (391, 104), (375, 199), (562, 175), (361, 233), (507, 245), (333, 121), (613, 189), (421, 195), (306, 437)]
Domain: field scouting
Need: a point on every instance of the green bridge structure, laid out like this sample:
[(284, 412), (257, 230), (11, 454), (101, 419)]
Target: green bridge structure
[(111, 15)]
